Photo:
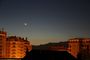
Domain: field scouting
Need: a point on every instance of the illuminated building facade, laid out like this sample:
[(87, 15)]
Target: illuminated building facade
[(3, 44), (13, 46), (77, 45)]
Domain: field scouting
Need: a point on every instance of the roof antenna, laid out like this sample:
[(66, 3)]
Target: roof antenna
[(2, 29), (26, 38)]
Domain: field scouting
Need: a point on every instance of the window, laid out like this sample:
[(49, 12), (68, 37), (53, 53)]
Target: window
[(13, 50), (70, 46), (0, 52), (13, 56), (13, 53), (1, 36), (0, 56), (88, 41), (70, 50), (87, 46), (16, 40), (0, 39), (0, 46), (13, 43), (0, 49), (14, 46)]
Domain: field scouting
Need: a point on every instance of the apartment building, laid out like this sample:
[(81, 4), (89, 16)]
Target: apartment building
[(76, 45), (13, 46)]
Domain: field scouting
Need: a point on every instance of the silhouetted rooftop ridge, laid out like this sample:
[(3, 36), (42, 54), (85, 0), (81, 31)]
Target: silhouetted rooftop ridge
[(78, 38), (17, 38)]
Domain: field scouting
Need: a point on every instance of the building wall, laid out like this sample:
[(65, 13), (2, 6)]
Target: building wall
[(17, 47), (73, 47), (13, 47), (76, 45), (3, 35)]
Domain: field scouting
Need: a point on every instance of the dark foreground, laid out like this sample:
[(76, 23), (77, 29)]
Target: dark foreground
[(48, 55)]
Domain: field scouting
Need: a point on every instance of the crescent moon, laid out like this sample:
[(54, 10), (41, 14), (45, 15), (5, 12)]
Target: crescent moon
[(25, 24)]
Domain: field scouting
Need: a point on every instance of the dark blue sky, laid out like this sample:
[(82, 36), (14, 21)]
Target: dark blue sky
[(48, 20)]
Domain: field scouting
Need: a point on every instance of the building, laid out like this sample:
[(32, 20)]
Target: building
[(74, 47), (13, 46), (16, 47), (3, 37), (77, 45)]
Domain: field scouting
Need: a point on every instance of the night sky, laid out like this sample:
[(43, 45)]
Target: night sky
[(44, 21)]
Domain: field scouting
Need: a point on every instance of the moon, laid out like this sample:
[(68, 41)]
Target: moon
[(25, 24)]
